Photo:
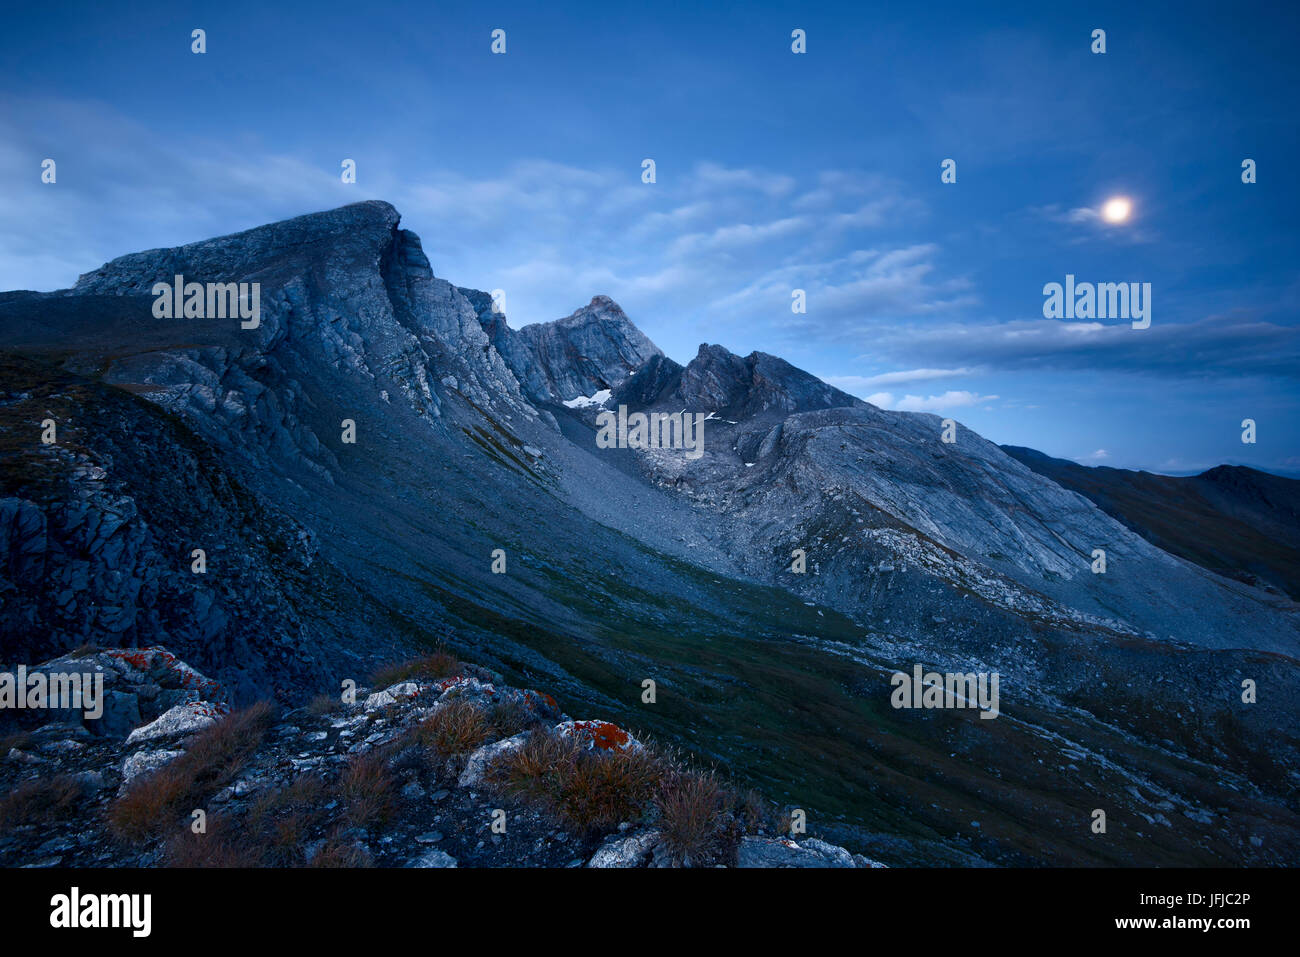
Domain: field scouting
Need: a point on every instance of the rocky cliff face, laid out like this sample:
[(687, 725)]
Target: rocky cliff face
[(358, 466), (595, 348)]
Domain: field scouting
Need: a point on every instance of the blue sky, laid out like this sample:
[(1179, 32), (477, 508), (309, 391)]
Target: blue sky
[(775, 171)]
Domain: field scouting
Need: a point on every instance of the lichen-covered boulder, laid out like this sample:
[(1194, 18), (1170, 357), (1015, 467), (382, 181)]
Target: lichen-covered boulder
[(598, 735)]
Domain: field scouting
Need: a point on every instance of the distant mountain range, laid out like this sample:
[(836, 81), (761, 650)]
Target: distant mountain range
[(475, 444)]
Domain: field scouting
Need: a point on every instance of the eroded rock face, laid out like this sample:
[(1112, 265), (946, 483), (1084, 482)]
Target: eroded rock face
[(344, 290), (718, 380), (97, 544), (894, 515)]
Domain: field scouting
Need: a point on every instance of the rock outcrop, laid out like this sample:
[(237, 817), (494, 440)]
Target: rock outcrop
[(351, 782)]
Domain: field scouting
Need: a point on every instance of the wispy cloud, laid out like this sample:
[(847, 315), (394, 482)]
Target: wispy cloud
[(1221, 345), (852, 383), (953, 399)]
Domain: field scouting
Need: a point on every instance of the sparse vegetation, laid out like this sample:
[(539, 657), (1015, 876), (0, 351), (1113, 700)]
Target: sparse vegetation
[(588, 783), (508, 717), (153, 801), (439, 664), (41, 799), (457, 727), (223, 844), (367, 790), (592, 791), (337, 851), (697, 819)]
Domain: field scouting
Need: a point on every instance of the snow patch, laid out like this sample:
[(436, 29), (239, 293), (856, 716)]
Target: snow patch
[(596, 401)]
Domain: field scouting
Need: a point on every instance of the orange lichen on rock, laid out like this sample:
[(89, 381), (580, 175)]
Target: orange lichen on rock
[(602, 734)]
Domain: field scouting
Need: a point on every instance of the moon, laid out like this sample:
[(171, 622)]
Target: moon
[(1117, 209)]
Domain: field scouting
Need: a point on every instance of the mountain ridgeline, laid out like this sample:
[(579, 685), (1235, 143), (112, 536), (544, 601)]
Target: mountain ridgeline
[(1234, 520), (381, 464)]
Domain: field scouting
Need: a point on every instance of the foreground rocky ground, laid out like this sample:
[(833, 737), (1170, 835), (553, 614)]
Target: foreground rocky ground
[(438, 765)]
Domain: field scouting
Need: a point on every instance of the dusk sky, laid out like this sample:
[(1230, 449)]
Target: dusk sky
[(775, 171)]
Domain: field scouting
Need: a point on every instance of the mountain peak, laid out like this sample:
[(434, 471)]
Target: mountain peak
[(601, 309), (593, 348), (719, 379)]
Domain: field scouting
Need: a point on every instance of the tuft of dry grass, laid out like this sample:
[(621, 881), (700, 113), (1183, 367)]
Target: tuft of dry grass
[(696, 819), (41, 800), (439, 664), (367, 791), (223, 845), (154, 801), (757, 815), (591, 791), (534, 770), (281, 820), (455, 727), (509, 717), (273, 833), (337, 851)]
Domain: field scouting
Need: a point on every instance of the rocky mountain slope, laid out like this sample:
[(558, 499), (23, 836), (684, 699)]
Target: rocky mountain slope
[(475, 508), (1233, 520)]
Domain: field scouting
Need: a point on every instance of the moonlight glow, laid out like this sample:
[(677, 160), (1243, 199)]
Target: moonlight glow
[(1116, 210)]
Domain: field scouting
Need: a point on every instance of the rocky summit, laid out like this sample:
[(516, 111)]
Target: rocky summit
[(376, 464)]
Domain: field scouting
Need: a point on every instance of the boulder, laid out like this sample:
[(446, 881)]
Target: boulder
[(630, 851), (432, 857), (598, 735), (783, 852), (143, 762), (478, 762), (181, 720)]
